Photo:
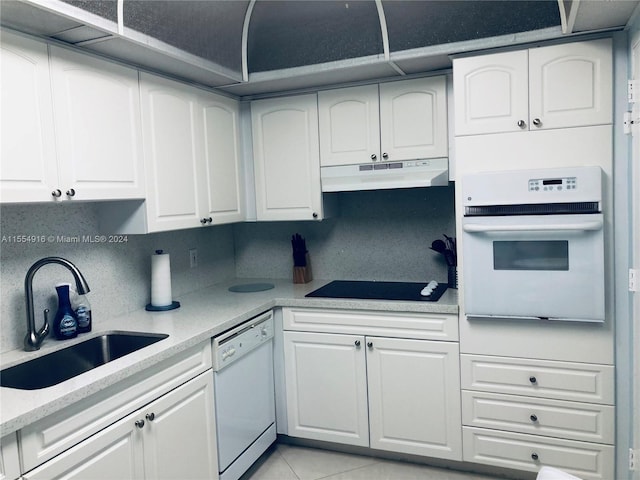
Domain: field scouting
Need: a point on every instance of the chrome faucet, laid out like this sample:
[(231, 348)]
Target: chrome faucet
[(34, 338)]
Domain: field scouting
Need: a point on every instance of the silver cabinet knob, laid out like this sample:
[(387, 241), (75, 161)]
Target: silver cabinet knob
[(385, 155), (374, 157), (357, 343), (537, 122), (314, 215), (370, 344), (522, 123), (533, 380), (533, 417), (57, 193), (140, 423), (209, 219), (71, 192), (150, 416), (534, 456)]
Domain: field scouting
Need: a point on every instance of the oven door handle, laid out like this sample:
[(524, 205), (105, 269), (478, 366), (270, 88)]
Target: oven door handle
[(580, 226)]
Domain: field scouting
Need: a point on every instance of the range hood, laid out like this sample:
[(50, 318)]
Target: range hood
[(430, 172)]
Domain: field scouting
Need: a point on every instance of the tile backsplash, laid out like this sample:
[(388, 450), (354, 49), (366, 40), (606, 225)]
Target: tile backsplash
[(380, 235), (118, 273), (377, 235)]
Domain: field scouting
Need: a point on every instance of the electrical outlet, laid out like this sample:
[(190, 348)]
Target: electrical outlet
[(193, 257)]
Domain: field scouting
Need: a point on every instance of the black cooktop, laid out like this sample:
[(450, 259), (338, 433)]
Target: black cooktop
[(378, 290)]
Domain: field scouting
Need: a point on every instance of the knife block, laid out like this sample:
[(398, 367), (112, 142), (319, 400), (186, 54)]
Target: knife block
[(302, 274)]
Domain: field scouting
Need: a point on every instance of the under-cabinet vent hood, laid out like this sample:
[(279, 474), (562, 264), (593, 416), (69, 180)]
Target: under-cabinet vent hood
[(430, 172)]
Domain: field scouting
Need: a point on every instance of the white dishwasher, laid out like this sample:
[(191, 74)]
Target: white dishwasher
[(244, 394)]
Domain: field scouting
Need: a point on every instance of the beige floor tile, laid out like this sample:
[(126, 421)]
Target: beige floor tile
[(312, 464), (271, 466), (386, 470)]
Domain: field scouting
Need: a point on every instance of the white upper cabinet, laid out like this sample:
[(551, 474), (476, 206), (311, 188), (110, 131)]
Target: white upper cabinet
[(28, 169), (287, 158), (170, 148), (349, 120), (571, 85), (401, 120), (70, 125), (559, 86), (191, 147), (413, 119), (223, 183), (97, 118)]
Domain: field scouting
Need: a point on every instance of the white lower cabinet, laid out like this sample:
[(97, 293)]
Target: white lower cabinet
[(156, 424), (171, 438), (9, 457), (393, 394), (527, 413)]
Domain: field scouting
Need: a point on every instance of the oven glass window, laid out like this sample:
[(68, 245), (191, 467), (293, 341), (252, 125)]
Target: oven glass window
[(531, 255)]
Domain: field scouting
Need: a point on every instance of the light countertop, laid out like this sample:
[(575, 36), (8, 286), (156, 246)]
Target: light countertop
[(202, 315)]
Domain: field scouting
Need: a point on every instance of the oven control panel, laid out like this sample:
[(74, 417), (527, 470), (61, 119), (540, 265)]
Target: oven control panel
[(552, 184)]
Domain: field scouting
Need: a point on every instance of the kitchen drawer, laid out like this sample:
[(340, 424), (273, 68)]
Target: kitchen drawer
[(56, 433), (552, 418), (580, 382), (419, 326), (588, 461)]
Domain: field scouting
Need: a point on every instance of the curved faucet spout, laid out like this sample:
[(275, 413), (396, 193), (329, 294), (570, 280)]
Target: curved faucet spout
[(34, 338)]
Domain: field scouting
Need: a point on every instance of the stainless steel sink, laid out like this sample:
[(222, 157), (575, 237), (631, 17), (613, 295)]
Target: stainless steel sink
[(64, 364)]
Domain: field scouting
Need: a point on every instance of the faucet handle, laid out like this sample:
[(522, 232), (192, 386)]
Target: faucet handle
[(44, 331)]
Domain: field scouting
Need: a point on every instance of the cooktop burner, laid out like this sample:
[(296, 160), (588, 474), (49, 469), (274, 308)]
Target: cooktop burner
[(378, 290)]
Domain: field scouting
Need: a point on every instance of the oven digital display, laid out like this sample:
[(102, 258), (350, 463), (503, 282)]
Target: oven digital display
[(555, 181), (545, 255)]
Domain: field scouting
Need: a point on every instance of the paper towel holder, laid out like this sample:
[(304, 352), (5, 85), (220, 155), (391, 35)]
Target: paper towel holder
[(155, 308)]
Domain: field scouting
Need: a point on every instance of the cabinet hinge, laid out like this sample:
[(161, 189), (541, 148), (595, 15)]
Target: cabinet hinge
[(633, 91), (634, 280), (634, 456)]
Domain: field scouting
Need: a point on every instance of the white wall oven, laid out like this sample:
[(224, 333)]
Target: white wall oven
[(533, 244)]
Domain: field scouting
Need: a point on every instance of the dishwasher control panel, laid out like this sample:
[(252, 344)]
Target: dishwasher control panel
[(233, 344)]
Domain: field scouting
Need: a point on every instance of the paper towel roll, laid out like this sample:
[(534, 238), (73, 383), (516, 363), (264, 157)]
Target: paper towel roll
[(160, 279)]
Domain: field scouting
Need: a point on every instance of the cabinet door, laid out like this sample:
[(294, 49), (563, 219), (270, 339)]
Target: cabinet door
[(571, 84), (491, 93), (222, 185), (9, 457), (349, 122), (28, 170), (98, 130), (413, 119), (287, 158), (115, 452), (414, 397), (179, 429), (325, 377), (169, 112)]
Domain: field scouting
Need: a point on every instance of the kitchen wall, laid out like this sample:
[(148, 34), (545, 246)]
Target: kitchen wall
[(118, 273), (376, 235), (382, 235)]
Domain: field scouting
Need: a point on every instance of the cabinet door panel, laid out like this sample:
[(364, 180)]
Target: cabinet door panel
[(9, 457), (413, 119), (349, 122), (491, 93), (170, 146), (571, 85), (325, 377), (115, 452), (414, 397), (28, 169), (179, 440), (97, 116), (287, 158), (223, 182)]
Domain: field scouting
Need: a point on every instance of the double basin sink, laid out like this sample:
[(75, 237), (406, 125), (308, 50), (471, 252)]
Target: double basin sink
[(61, 365)]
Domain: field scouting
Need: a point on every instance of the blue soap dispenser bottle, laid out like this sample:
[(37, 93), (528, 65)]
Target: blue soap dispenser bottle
[(65, 323)]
